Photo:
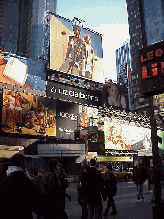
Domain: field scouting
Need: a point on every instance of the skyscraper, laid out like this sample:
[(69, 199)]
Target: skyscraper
[(22, 25), (146, 26), (123, 63)]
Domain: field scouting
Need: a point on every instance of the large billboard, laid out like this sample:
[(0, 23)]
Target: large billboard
[(74, 49), (66, 119), (28, 114), (22, 71), (115, 95), (121, 136)]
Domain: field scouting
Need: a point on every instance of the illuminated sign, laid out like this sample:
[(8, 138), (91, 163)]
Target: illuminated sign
[(152, 69), (108, 159), (70, 93)]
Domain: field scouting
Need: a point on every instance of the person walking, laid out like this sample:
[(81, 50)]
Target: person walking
[(92, 187), (50, 186), (19, 196), (110, 188), (81, 199), (139, 176), (150, 171), (3, 170), (39, 178)]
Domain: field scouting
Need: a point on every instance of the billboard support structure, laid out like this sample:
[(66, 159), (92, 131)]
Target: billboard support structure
[(155, 153)]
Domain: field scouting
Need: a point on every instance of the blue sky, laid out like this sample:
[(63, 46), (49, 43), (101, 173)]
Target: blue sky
[(108, 17)]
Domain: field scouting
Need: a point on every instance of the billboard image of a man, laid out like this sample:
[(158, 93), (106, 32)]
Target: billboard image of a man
[(75, 53)]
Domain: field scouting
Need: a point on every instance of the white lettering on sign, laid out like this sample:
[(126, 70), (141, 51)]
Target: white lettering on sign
[(68, 116), (68, 131), (73, 93)]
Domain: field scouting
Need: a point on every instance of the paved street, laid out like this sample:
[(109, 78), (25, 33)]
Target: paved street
[(125, 202)]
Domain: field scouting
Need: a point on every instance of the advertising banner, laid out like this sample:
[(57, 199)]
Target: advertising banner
[(74, 94), (74, 49), (126, 137), (66, 119), (28, 114), (115, 95), (110, 159), (22, 71)]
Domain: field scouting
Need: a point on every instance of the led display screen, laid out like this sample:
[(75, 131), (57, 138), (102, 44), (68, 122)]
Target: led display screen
[(28, 114), (22, 71), (66, 119), (74, 49), (115, 95), (121, 136), (152, 69)]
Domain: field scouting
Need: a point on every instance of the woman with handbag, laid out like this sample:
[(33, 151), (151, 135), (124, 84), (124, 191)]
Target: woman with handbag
[(110, 190)]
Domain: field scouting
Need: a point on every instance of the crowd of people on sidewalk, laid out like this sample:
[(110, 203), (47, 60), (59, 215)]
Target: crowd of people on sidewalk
[(20, 196)]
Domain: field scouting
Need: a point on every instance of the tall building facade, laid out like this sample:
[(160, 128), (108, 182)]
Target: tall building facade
[(146, 26), (123, 63), (22, 29)]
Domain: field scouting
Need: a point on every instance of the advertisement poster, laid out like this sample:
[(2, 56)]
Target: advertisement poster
[(74, 49), (22, 71), (161, 134), (66, 119), (115, 95), (28, 114), (126, 137), (88, 123)]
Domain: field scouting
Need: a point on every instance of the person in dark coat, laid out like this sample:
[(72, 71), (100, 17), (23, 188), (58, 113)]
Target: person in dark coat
[(81, 199), (150, 171), (3, 170), (50, 186), (139, 176), (92, 187), (110, 187), (39, 177), (19, 196)]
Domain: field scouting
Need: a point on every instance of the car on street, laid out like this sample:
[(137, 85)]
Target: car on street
[(120, 174)]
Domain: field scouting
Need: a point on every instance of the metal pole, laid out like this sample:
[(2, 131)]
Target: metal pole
[(155, 153)]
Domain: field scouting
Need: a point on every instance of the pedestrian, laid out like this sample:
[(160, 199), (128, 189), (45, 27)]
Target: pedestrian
[(38, 178), (50, 186), (19, 196), (63, 184), (81, 199), (3, 170), (150, 171), (110, 188), (92, 187), (139, 176)]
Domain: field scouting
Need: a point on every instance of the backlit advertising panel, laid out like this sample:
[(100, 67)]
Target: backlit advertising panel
[(121, 136), (73, 94), (115, 95), (28, 114), (22, 71), (74, 49), (66, 119)]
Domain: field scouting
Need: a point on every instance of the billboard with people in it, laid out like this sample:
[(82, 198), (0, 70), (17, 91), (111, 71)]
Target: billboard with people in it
[(115, 95), (74, 49), (28, 114)]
